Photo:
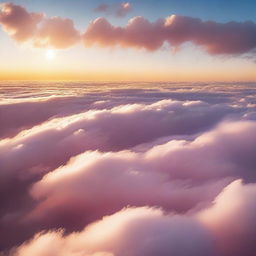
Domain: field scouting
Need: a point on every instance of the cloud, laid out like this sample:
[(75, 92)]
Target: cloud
[(29, 155), (226, 228), (182, 175), (25, 26), (105, 130), (88, 156), (139, 33), (231, 219), (216, 38), (20, 113), (118, 9), (18, 22), (135, 231)]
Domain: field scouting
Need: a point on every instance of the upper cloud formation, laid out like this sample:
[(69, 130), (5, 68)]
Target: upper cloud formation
[(57, 32), (118, 10), (18, 22), (24, 26), (133, 232), (216, 38)]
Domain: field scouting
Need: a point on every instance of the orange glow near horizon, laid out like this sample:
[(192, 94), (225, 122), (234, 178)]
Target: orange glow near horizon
[(35, 46), (146, 76), (78, 63), (22, 61)]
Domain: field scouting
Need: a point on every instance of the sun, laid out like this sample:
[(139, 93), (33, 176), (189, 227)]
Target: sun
[(50, 54)]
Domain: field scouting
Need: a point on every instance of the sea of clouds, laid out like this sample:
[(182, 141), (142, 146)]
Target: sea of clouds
[(127, 169)]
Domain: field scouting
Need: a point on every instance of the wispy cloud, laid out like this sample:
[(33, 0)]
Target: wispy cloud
[(118, 9)]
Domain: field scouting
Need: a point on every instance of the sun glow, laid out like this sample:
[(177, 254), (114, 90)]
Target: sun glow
[(50, 54)]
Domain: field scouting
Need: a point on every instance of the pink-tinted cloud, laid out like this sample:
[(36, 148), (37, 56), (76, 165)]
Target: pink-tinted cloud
[(178, 172), (36, 27), (231, 219), (19, 113), (139, 33), (57, 32), (135, 231), (215, 38), (90, 180), (26, 157), (183, 175), (118, 10), (18, 22), (105, 130), (226, 228), (145, 155)]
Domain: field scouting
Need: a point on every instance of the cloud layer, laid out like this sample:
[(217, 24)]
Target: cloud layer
[(18, 22), (214, 37), (223, 229), (128, 170)]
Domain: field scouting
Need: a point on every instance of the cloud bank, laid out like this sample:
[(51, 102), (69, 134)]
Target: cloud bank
[(230, 38), (129, 170)]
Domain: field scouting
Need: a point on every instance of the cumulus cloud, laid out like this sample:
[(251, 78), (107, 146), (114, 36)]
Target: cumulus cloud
[(227, 228), (105, 130), (216, 38), (136, 231), (18, 22), (130, 170), (118, 10), (20, 113), (57, 32), (182, 175), (231, 219), (26, 157), (25, 26)]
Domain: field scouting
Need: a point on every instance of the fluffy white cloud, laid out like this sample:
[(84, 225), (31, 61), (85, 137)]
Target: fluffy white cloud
[(226, 228), (135, 231), (152, 166)]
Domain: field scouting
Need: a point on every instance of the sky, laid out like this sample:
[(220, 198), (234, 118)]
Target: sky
[(127, 128), (147, 50)]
